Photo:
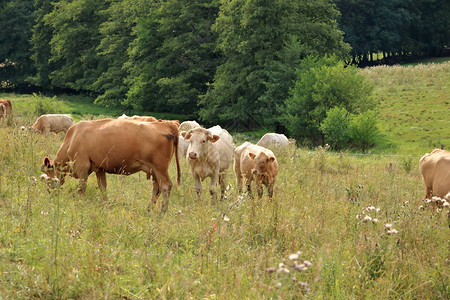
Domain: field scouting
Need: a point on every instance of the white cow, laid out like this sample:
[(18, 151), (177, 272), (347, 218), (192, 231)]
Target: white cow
[(188, 125), (52, 123), (273, 140), (209, 154)]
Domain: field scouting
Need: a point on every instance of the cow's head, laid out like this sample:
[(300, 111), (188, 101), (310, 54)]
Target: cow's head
[(200, 138), (262, 162), (49, 174)]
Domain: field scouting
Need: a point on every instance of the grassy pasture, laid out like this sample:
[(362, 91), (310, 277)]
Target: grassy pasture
[(63, 245)]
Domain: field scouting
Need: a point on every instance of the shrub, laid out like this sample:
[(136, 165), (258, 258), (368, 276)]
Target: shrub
[(335, 127), (363, 130), (44, 106), (321, 85)]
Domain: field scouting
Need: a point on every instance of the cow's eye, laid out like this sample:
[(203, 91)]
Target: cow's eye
[(204, 141)]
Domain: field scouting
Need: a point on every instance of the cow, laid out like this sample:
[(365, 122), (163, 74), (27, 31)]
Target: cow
[(52, 123), (139, 118), (188, 125), (7, 110), (435, 169), (117, 146), (183, 146), (253, 162), (209, 154), (273, 141)]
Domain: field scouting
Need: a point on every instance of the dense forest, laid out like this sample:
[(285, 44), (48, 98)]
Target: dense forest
[(226, 61)]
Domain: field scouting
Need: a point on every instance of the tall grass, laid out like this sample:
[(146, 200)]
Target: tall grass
[(63, 245)]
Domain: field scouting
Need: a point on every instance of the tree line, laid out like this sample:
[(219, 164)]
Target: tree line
[(233, 62)]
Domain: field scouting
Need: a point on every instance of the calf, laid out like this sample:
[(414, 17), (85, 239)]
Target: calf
[(258, 163), (7, 109), (209, 154)]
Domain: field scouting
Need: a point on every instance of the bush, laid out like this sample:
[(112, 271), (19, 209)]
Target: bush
[(335, 127), (43, 106), (321, 85), (364, 130)]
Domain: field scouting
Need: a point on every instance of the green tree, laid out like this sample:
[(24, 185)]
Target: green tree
[(41, 52), (117, 34), (364, 130), (335, 127), (76, 36), (323, 84), (173, 56), (16, 21), (262, 42)]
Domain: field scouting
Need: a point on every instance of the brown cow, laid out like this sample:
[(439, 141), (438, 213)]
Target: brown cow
[(255, 162), (118, 146), (435, 169), (2, 111), (7, 110)]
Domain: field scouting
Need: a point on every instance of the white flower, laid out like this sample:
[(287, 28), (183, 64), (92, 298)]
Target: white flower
[(293, 256), (281, 265), (388, 226), (369, 208), (378, 209), (358, 217), (375, 220), (307, 263), (446, 204), (226, 219), (421, 207), (44, 177), (367, 218), (278, 285), (392, 231), (22, 128)]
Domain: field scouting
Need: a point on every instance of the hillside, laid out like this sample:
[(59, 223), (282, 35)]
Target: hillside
[(413, 104)]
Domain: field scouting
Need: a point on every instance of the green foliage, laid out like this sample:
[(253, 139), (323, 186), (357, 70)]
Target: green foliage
[(364, 129), (43, 106), (262, 42), (322, 84), (74, 43), (172, 58), (16, 21), (335, 127)]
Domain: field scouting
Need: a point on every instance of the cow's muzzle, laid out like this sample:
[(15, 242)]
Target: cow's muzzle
[(192, 155)]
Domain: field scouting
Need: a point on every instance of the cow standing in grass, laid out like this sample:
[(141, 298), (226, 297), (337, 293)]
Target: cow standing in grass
[(7, 110), (209, 154), (252, 162), (52, 123), (117, 146)]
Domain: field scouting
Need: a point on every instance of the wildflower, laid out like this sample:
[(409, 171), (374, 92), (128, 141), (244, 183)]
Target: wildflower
[(388, 226), (55, 180), (307, 263), (308, 290), (378, 209), (22, 128), (271, 270), (303, 284), (278, 285), (421, 207), (294, 279), (358, 217), (427, 201), (225, 218), (369, 208), (281, 265), (446, 204), (392, 231), (375, 220), (293, 256), (180, 212), (367, 218)]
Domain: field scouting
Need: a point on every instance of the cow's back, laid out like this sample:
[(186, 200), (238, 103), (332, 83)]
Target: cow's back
[(435, 169), (270, 140), (224, 146)]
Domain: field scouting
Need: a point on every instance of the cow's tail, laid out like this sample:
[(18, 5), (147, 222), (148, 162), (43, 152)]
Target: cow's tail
[(177, 144)]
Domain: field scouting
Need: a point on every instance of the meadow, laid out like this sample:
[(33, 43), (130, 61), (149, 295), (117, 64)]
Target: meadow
[(323, 236)]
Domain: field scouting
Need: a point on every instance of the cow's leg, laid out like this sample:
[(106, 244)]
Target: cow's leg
[(222, 185), (101, 180), (259, 188), (156, 190), (198, 186), (248, 181), (165, 186), (213, 188), (270, 190), (237, 172)]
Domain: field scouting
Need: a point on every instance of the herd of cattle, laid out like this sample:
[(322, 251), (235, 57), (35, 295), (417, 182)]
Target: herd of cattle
[(127, 145)]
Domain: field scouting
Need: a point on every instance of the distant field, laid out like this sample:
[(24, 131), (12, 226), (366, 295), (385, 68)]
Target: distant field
[(413, 104)]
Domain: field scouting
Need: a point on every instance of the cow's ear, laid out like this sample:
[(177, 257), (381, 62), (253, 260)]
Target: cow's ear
[(183, 133), (214, 138), (271, 159), (186, 135), (252, 155), (47, 162)]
